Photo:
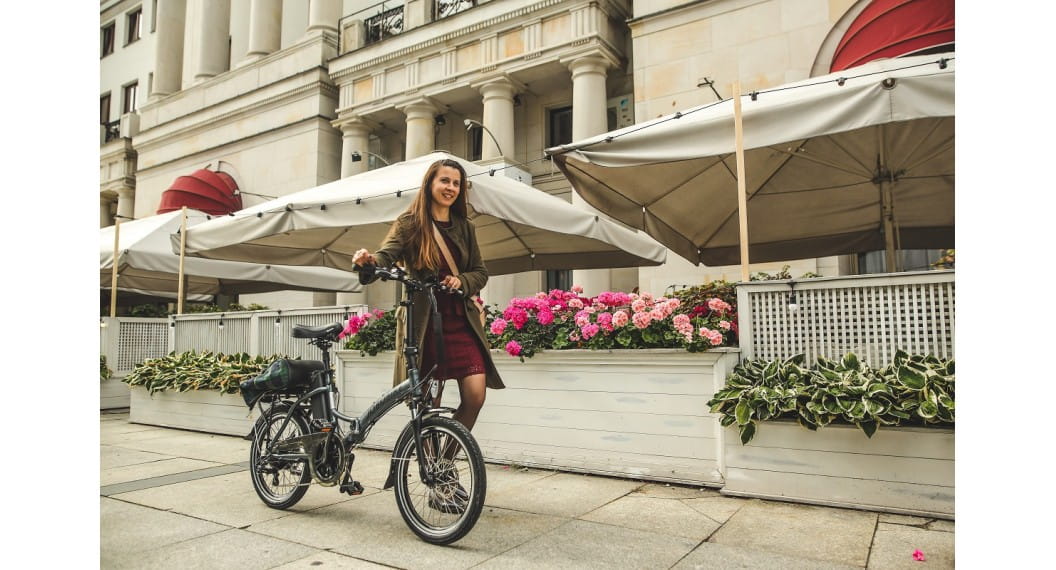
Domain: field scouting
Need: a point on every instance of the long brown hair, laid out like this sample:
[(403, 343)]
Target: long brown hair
[(422, 244)]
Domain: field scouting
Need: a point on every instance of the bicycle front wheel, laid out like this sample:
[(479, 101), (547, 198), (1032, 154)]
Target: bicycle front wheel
[(447, 510)]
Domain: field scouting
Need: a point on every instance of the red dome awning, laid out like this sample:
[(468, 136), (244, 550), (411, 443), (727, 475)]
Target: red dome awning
[(214, 193), (892, 28)]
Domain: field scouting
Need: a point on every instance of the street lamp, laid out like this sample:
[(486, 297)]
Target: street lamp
[(469, 125), (357, 157)]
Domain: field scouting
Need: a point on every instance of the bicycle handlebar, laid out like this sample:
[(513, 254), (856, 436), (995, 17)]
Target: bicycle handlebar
[(371, 273)]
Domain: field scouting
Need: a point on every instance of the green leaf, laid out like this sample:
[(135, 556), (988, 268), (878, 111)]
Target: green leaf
[(911, 377), (747, 432), (743, 412), (869, 427), (927, 410), (850, 361)]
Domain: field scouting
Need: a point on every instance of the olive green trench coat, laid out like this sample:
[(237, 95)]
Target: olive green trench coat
[(472, 273)]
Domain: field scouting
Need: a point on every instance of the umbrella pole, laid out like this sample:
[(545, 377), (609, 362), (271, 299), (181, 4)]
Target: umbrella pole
[(886, 203), (742, 199), (113, 270), (183, 249)]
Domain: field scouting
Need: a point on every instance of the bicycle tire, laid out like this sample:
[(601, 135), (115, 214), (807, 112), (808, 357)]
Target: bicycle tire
[(418, 504), (295, 475)]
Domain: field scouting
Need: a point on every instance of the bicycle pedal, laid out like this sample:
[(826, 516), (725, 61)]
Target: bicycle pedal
[(352, 488)]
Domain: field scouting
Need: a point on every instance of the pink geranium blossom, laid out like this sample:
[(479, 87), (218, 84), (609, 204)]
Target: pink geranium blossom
[(513, 348), (642, 320), (577, 289), (498, 326), (575, 303), (639, 306), (544, 317), (724, 325), (619, 319), (589, 331), (918, 555), (719, 306)]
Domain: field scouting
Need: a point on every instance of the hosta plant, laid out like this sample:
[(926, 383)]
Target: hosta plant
[(197, 371), (912, 390), (104, 371)]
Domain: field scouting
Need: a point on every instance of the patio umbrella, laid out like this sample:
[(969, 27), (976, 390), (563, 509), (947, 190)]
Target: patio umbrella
[(519, 228), (855, 161), (147, 265)]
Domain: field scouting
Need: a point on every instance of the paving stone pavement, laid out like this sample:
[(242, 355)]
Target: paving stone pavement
[(180, 499)]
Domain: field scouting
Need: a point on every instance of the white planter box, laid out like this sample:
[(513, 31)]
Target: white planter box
[(199, 410), (899, 470), (633, 413), (113, 393)]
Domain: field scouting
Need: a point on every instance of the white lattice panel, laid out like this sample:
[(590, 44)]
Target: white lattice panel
[(872, 316), (138, 340), (276, 339)]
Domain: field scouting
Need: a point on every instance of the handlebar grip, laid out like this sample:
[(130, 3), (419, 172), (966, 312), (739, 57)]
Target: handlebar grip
[(367, 274)]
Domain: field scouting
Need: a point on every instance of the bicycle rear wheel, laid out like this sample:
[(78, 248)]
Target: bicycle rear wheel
[(279, 483), (447, 511)]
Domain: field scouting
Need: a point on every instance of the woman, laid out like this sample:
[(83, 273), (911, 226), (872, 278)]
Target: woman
[(411, 241)]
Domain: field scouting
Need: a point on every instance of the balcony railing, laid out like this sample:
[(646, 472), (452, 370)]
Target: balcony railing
[(385, 24), (113, 131), (445, 8)]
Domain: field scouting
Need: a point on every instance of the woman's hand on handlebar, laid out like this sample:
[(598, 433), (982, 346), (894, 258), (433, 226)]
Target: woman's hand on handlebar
[(363, 257), (452, 282)]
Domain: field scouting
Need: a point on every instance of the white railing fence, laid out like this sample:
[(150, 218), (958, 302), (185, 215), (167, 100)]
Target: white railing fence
[(869, 315), (258, 333), (127, 341)]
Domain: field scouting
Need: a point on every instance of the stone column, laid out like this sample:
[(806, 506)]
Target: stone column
[(421, 138), (126, 203), (213, 30), (589, 119), (356, 131), (105, 217), (498, 118), (323, 15), (168, 49), (265, 28)]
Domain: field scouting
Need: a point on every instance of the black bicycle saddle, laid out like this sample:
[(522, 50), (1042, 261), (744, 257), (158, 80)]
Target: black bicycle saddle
[(328, 331)]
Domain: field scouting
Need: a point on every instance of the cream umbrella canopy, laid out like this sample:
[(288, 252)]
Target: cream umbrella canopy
[(519, 228), (147, 265), (856, 161)]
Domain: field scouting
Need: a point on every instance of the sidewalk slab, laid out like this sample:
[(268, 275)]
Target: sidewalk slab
[(225, 499), (835, 535), (585, 544), (665, 516), (111, 456), (140, 471), (371, 528), (231, 548), (329, 561), (127, 532), (562, 494), (207, 447), (711, 556), (893, 547)]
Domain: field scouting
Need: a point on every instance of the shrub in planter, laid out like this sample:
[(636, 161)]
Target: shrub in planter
[(371, 333), (194, 371), (565, 320), (104, 371), (912, 390)]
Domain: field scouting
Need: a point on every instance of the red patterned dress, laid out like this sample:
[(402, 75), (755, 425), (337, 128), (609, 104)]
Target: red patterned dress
[(462, 349)]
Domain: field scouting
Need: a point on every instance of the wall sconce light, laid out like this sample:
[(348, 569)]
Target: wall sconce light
[(220, 325), (102, 322), (440, 120), (792, 304), (356, 157), (278, 322)]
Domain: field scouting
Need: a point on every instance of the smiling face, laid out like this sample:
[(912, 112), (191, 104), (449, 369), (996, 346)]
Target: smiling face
[(446, 186)]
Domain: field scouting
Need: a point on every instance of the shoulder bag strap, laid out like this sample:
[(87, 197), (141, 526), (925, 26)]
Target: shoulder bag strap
[(443, 249)]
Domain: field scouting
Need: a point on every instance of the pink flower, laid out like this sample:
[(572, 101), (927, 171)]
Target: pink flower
[(582, 318), (605, 320), (544, 317), (683, 325), (513, 348), (619, 318), (577, 289), (724, 325), (714, 337), (638, 305), (353, 326), (498, 326), (517, 316), (589, 331), (657, 313), (918, 555), (718, 305), (540, 295), (575, 303), (573, 336), (642, 320)]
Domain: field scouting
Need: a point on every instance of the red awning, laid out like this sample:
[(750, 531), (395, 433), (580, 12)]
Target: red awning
[(892, 28), (211, 192)]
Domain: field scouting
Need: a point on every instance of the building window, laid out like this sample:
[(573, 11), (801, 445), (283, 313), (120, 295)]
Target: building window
[(135, 25), (154, 16), (107, 40), (475, 143), (559, 126), (104, 109), (558, 279), (128, 97)]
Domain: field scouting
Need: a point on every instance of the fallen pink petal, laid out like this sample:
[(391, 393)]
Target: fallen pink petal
[(918, 555)]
